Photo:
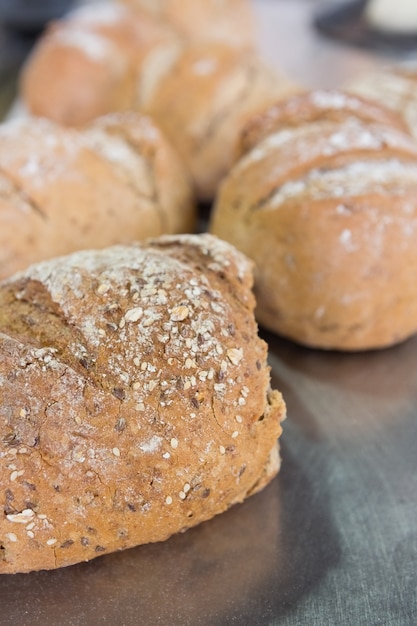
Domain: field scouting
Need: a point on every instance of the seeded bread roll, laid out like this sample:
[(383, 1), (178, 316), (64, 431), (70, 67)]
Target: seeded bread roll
[(230, 21), (327, 209), (87, 64), (63, 190), (201, 99), (394, 86), (135, 396)]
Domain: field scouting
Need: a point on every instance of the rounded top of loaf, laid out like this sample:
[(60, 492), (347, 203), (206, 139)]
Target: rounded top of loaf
[(176, 304), (315, 106), (86, 64), (117, 181)]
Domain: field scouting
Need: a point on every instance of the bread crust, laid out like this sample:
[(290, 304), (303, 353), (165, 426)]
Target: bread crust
[(91, 63), (87, 64), (62, 189), (315, 106), (203, 99), (200, 91), (327, 210), (136, 399)]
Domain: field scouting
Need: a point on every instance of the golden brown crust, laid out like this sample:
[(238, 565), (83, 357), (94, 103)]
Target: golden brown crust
[(328, 212), (315, 106), (202, 100), (87, 64), (200, 93), (135, 396), (91, 62), (62, 189)]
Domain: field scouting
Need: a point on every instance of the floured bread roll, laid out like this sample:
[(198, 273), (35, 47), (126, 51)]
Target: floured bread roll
[(316, 106), (63, 190), (393, 86), (87, 64), (327, 209), (136, 399), (230, 21), (202, 97)]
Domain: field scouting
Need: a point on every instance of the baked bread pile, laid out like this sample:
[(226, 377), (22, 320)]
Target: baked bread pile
[(134, 390), (87, 64), (106, 58), (62, 189), (325, 202), (135, 398)]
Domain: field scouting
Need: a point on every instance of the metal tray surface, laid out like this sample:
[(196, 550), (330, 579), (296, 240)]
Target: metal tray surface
[(332, 541), (347, 23)]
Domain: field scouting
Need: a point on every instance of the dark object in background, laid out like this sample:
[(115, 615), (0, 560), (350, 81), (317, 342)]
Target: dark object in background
[(347, 23), (20, 22), (30, 16)]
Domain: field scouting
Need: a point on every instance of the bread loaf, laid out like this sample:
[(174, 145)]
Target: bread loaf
[(327, 209), (202, 98), (91, 62), (230, 21), (87, 64), (394, 86), (109, 58), (316, 106), (135, 397), (62, 189)]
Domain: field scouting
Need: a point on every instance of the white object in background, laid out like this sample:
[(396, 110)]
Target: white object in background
[(399, 16)]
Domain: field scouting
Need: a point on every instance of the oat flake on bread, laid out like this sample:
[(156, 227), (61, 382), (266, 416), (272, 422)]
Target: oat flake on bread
[(135, 398)]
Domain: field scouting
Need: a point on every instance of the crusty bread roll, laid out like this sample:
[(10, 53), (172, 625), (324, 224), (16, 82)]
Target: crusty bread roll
[(64, 190), (201, 99), (108, 58), (230, 21), (87, 64), (136, 398), (394, 86), (90, 63), (327, 209)]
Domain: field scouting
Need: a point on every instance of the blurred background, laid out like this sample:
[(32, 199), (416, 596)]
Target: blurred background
[(320, 43)]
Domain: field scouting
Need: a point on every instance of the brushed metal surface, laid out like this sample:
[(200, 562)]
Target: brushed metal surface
[(333, 540)]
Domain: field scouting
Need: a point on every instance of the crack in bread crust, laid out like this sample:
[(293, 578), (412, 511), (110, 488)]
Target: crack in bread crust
[(151, 422)]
